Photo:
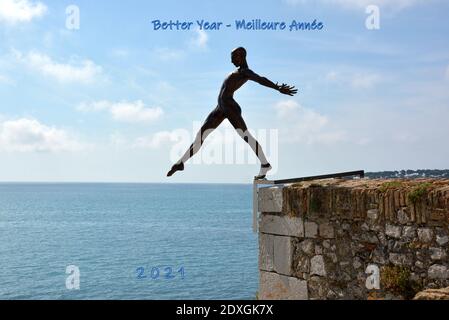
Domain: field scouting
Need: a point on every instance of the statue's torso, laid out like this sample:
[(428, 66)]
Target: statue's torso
[(232, 83)]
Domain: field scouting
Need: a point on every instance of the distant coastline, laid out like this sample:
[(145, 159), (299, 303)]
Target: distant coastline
[(408, 174)]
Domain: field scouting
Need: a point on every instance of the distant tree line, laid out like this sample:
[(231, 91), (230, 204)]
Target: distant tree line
[(410, 174)]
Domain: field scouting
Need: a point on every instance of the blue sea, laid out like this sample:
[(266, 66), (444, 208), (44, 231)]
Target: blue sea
[(128, 241)]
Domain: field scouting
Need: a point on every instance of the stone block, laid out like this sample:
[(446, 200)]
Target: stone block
[(270, 199), (266, 252), (393, 231), (317, 266), (437, 254), (425, 235), (281, 225), (311, 229), (403, 216), (274, 286), (283, 255), (409, 232), (399, 259), (438, 272), (327, 231), (307, 246), (442, 240), (372, 214)]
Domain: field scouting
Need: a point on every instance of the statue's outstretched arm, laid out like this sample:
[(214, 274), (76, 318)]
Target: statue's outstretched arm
[(285, 89)]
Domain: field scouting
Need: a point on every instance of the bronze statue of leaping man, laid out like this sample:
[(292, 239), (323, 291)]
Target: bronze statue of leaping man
[(228, 108)]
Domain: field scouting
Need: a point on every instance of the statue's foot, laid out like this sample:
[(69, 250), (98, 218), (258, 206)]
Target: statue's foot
[(263, 171), (176, 167)]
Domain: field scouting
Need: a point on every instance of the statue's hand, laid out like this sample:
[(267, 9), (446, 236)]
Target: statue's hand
[(288, 90)]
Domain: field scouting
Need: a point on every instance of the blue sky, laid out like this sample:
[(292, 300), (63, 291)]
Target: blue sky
[(108, 102)]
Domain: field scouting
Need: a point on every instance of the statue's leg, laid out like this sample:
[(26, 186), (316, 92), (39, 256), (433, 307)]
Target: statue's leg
[(214, 119), (234, 116)]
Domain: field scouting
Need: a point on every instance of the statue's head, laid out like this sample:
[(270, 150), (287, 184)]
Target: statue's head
[(238, 57)]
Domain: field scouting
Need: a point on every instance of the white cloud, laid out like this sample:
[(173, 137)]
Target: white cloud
[(305, 125), (359, 4), (332, 76), (200, 40), (12, 11), (117, 140), (29, 135), (120, 53), (358, 80), (157, 140), (168, 54), (124, 111), (404, 137), (5, 80), (365, 81), (84, 71), (286, 108)]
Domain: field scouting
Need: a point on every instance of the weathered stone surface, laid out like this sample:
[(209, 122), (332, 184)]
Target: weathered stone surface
[(311, 229), (379, 257), (270, 199), (332, 256), (347, 225), (317, 266), (403, 217), (318, 288), (372, 214), (266, 252), (357, 263), (419, 264), (327, 231), (437, 254), (393, 231), (442, 240), (425, 235), (281, 225), (399, 259), (438, 272), (369, 237), (409, 232), (273, 286), (303, 264), (307, 246), (433, 294), (283, 255)]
